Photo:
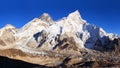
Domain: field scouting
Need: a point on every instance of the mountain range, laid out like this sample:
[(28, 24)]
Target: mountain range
[(47, 42)]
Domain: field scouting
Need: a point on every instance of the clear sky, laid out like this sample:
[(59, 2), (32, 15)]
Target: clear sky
[(103, 13)]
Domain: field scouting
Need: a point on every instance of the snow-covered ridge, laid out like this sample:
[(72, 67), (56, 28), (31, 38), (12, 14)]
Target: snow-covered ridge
[(44, 33)]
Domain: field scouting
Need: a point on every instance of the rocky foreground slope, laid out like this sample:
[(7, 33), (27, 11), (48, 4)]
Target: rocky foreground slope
[(70, 41)]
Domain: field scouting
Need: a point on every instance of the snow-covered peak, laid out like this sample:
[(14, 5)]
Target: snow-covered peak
[(112, 36), (75, 14), (7, 30), (9, 26), (76, 17)]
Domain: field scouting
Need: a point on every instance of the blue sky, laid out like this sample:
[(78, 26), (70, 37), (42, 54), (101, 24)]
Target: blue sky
[(103, 13)]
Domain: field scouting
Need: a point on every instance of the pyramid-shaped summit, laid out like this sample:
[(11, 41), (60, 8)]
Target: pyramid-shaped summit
[(46, 17)]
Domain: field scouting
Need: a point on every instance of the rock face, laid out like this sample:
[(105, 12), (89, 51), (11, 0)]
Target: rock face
[(66, 36)]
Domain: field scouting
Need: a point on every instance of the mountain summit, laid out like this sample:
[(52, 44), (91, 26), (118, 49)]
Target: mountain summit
[(46, 17), (67, 36)]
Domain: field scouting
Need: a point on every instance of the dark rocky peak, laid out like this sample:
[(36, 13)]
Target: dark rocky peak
[(46, 17)]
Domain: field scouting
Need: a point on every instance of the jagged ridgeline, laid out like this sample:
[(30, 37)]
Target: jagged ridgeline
[(62, 38), (44, 33)]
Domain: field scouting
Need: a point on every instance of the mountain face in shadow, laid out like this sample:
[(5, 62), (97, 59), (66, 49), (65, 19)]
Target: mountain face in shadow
[(12, 63)]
